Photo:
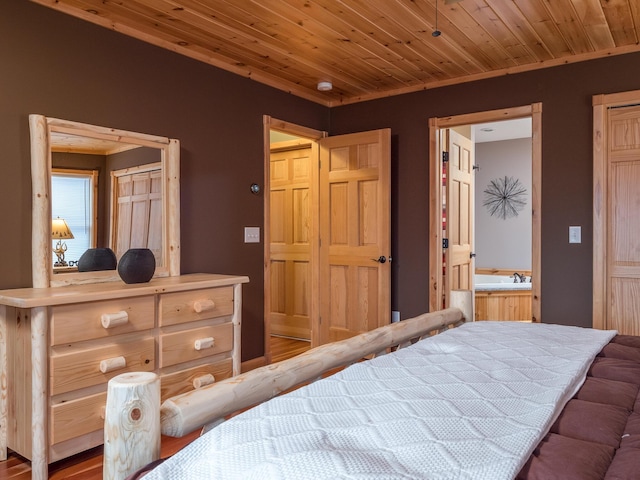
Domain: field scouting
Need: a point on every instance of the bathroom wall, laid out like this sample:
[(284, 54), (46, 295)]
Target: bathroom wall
[(503, 243)]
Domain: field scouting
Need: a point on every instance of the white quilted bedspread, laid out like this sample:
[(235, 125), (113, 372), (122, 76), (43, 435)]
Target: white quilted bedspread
[(471, 403)]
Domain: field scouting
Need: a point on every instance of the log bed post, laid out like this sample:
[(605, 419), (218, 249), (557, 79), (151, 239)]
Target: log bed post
[(463, 300), (132, 424)]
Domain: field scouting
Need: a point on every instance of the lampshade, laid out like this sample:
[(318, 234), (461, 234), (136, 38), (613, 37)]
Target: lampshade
[(60, 229)]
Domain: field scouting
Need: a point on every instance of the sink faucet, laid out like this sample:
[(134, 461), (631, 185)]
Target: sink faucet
[(517, 278)]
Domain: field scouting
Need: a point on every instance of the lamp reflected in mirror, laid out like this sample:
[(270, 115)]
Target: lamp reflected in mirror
[(60, 231)]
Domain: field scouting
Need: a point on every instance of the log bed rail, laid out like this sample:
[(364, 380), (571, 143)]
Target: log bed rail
[(209, 405)]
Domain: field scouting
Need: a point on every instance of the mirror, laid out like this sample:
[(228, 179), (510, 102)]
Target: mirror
[(123, 150)]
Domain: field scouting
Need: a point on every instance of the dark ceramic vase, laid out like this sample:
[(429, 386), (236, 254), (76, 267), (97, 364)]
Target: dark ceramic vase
[(97, 259), (137, 265)]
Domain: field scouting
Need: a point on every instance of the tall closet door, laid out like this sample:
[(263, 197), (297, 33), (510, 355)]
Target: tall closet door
[(138, 219), (623, 242)]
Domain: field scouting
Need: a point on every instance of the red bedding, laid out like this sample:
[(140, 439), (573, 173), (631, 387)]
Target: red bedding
[(597, 435)]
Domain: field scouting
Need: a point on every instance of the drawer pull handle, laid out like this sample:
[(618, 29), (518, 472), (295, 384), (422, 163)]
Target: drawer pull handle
[(203, 381), (111, 364), (204, 305), (111, 320), (203, 343)]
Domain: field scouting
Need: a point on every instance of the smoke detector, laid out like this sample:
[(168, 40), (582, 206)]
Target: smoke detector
[(325, 86)]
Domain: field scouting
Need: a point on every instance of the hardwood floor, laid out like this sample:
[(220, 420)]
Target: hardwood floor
[(88, 465), (283, 348)]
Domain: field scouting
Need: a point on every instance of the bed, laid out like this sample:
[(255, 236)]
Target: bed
[(487, 400)]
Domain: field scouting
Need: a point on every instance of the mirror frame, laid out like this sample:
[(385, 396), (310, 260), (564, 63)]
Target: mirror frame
[(41, 128)]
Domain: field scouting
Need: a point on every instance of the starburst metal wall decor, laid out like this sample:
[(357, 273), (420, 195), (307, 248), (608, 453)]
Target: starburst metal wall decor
[(505, 197)]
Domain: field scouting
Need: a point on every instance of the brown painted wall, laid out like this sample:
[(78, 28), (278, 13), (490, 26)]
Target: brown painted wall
[(58, 66), (566, 94)]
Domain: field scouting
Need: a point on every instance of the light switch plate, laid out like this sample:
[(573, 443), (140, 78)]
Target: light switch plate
[(575, 234), (251, 234)]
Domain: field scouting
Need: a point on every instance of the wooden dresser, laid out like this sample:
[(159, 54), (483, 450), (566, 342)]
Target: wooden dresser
[(60, 346)]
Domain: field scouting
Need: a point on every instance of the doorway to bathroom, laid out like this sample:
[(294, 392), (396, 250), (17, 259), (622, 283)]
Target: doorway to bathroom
[(482, 189)]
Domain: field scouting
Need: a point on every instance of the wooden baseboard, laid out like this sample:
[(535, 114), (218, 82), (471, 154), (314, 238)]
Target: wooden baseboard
[(253, 364)]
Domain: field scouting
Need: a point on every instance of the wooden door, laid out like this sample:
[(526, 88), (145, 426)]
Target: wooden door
[(621, 253), (355, 234), (291, 219), (459, 213), (138, 211)]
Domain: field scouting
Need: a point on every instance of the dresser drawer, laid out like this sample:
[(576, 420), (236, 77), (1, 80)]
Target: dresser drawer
[(85, 321), (77, 417), (184, 307), (185, 345), (79, 367), (191, 378)]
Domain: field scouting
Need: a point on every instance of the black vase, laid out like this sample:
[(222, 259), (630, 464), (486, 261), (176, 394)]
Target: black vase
[(97, 259), (137, 265)]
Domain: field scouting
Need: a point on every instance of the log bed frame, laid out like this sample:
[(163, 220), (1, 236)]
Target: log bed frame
[(134, 421)]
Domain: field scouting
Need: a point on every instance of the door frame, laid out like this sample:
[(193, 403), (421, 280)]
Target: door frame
[(270, 123), (435, 196), (601, 104)]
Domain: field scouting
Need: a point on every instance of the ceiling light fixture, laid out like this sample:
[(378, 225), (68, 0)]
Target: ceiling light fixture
[(436, 32), (324, 86)]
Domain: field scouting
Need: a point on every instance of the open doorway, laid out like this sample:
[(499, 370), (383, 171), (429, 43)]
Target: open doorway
[(292, 220), (290, 236), (503, 220), (447, 254), (327, 233)]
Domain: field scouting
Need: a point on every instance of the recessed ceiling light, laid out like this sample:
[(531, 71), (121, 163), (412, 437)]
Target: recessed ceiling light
[(324, 86)]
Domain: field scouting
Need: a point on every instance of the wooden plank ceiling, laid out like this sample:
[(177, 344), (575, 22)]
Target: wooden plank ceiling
[(372, 48)]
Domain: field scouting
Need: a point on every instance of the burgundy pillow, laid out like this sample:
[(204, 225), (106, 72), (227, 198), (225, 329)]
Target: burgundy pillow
[(631, 435), (624, 465), (612, 392), (628, 340), (616, 369), (592, 422), (617, 350), (563, 458)]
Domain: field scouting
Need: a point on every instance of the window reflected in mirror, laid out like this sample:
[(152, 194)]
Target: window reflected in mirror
[(73, 200)]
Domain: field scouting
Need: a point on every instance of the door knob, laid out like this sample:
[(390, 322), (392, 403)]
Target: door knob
[(380, 259)]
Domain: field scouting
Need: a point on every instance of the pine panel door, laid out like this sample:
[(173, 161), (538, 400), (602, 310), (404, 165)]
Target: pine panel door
[(459, 262), (355, 234)]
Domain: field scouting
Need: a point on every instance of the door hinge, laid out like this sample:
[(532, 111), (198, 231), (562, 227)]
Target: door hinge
[(445, 243), (445, 157)]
